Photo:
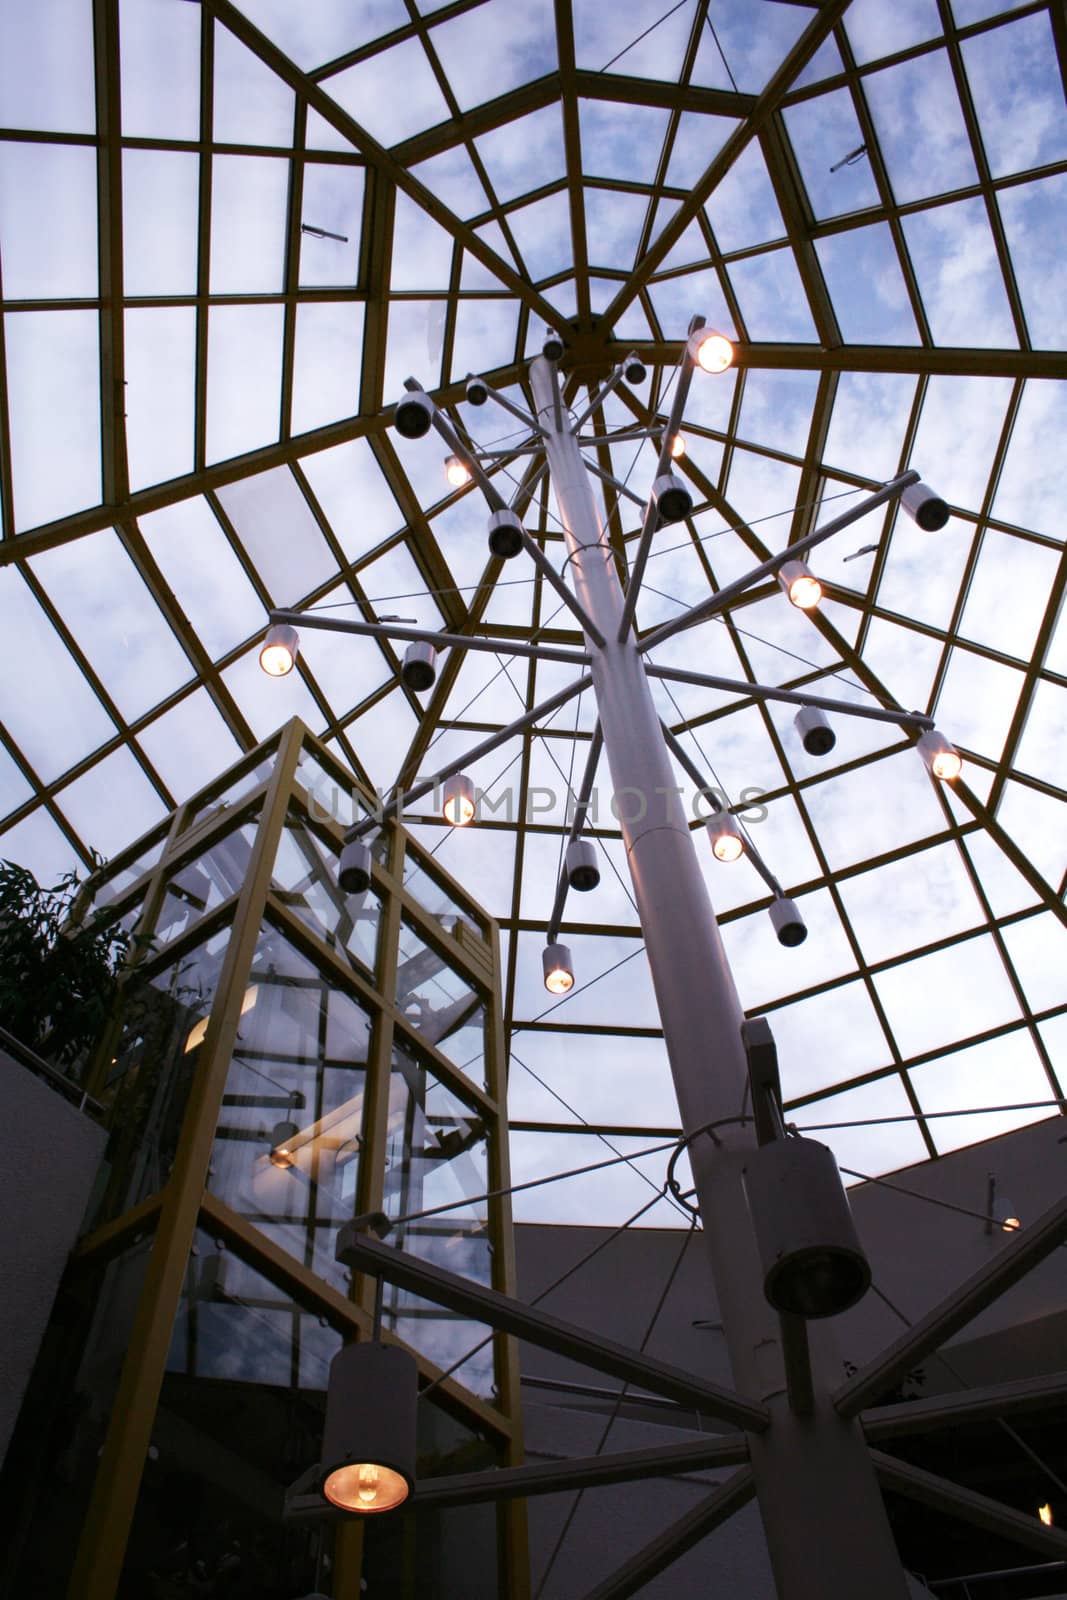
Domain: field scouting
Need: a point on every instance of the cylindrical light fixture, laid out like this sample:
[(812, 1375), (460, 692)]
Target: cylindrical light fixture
[(413, 417), (477, 391), (635, 370), (558, 968), (368, 1441), (457, 802), (800, 584), (727, 840), (281, 1137), (924, 507), (671, 498), (552, 349), (710, 351), (816, 734), (813, 1262), (581, 865), (942, 759), (677, 446), (354, 872), (505, 534), (457, 472), (787, 922), (278, 655), (420, 666)]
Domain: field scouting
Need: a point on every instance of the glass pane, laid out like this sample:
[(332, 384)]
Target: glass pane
[(197, 887), (287, 1146), (160, 69), (48, 221), (332, 200), (46, 66), (244, 378), (305, 880), (441, 1006), (433, 897), (160, 395), (53, 375)]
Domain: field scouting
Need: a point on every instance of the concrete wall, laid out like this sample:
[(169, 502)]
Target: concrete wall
[(918, 1252), (52, 1152)]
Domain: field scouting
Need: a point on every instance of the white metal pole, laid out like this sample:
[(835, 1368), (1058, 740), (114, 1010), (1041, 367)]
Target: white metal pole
[(826, 1526)]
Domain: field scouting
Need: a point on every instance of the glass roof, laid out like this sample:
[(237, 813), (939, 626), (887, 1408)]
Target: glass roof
[(229, 232)]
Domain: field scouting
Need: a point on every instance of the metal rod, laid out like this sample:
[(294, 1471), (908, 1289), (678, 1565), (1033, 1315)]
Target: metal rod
[(718, 602), (680, 753), (601, 395), (793, 697), (470, 461), (551, 576), (940, 1495), (577, 822), (362, 1253), (396, 804), (1023, 1251), (970, 1405), (656, 1556), (516, 410), (623, 489), (804, 1468), (440, 641), (524, 492)]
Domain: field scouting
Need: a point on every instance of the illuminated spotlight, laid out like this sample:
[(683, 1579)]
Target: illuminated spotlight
[(278, 655), (368, 1440), (710, 351), (677, 447), (354, 872), (800, 584), (942, 759), (787, 922), (414, 415), (1005, 1215), (505, 534), (281, 1140), (581, 865), (671, 498), (420, 666), (458, 802), (816, 734), (457, 472), (924, 507), (1045, 1513), (727, 842), (558, 968)]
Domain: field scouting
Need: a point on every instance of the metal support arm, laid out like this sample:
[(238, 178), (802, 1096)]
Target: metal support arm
[(577, 822), (602, 393), (678, 750), (551, 576), (656, 1556), (969, 1405), (792, 697), (440, 641), (363, 1254), (935, 1492)]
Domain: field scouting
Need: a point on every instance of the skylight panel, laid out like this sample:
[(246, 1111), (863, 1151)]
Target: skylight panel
[(322, 135), (875, 1148), (37, 843), (874, 809), (868, 422), (46, 66), (332, 200), (350, 488), (817, 1034), (867, 288), (977, 701), (825, 63), (622, 997), (160, 69), (1038, 952), (394, 585), (495, 48), (200, 566), (608, 39), (1003, 1071), (825, 134), (923, 572), (160, 210), (824, 955), (1035, 221), (422, 250), (318, 31), (415, 344), (189, 745), (912, 902), (1035, 822), (53, 378), (697, 141), (249, 205), (619, 1076), (251, 104), (875, 30), (754, 39), (89, 803), (274, 523), (623, 141), (473, 274), (905, 661), (267, 703), (543, 234), (776, 408), (921, 132), (54, 717), (759, 488), (742, 210), (244, 374), (345, 667), (771, 298), (674, 301), (1040, 750), (523, 155), (485, 336), (326, 365), (452, 178), (1018, 94), (160, 352), (14, 786), (1002, 883), (48, 221), (1008, 594), (613, 224), (368, 92), (960, 280), (1030, 490), (959, 430)]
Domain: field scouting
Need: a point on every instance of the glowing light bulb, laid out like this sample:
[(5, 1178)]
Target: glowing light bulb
[(711, 351), (457, 472), (559, 981), (1011, 1224), (282, 1156), (458, 804), (366, 1487), (278, 655), (728, 847), (677, 447), (1045, 1513), (557, 968), (947, 764), (805, 592), (368, 1483)]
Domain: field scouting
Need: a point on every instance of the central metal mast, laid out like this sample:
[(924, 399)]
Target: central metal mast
[(826, 1526)]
